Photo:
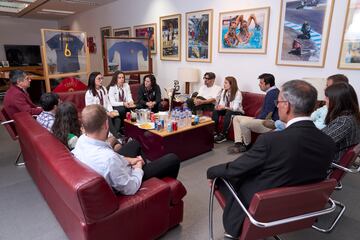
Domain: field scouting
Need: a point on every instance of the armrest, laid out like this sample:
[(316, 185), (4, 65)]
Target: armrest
[(345, 169), (257, 223)]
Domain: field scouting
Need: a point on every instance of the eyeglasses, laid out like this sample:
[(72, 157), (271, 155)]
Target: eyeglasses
[(276, 102)]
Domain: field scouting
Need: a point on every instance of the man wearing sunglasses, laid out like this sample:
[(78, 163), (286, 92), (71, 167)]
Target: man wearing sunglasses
[(206, 97)]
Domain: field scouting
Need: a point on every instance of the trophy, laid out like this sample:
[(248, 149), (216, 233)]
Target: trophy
[(170, 93)]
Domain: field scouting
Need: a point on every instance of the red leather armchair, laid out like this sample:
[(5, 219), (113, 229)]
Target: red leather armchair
[(82, 201), (279, 210), (10, 128), (338, 171)]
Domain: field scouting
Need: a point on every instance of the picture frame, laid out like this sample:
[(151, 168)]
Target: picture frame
[(104, 32), (170, 37), (349, 57), (65, 53), (147, 31), (122, 32), (129, 55), (244, 31), (303, 33), (199, 35)]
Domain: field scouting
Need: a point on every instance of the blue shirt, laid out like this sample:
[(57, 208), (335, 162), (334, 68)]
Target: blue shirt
[(58, 43), (46, 119), (269, 104), (116, 170)]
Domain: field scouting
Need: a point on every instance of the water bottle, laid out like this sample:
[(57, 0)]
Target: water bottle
[(182, 119), (189, 118), (172, 115)]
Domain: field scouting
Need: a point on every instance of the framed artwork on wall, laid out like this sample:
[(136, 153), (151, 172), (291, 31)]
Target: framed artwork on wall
[(303, 32), (122, 32), (244, 31), (349, 57), (170, 37), (130, 55), (199, 36), (147, 31), (104, 32)]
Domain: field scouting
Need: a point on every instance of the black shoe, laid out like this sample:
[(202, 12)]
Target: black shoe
[(228, 236), (237, 148), (220, 138)]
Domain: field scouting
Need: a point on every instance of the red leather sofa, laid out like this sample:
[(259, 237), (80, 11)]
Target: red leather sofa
[(82, 201)]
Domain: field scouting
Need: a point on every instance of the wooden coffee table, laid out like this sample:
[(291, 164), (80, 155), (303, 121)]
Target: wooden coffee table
[(186, 143)]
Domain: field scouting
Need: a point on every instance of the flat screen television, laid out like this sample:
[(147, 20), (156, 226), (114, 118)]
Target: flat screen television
[(23, 55)]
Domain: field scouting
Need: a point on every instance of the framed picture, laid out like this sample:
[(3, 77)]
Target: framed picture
[(130, 55), (122, 32), (147, 31), (244, 31), (199, 36), (104, 32), (65, 52), (303, 32), (350, 47), (170, 37)]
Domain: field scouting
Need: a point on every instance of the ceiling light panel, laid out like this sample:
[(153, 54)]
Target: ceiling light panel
[(12, 7)]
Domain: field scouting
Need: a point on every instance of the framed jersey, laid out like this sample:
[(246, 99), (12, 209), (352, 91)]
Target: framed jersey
[(129, 55), (64, 53)]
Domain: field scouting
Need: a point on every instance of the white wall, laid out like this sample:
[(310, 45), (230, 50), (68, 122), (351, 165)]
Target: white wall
[(22, 31), (245, 67)]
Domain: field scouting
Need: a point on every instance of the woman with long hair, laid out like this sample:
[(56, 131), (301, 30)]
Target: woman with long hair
[(66, 126), (120, 95), (343, 117), (97, 94), (229, 103), (149, 94)]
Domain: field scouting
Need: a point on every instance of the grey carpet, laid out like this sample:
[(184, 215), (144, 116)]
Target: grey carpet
[(25, 215)]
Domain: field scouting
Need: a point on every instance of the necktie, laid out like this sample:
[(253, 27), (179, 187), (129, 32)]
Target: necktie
[(121, 95), (101, 99)]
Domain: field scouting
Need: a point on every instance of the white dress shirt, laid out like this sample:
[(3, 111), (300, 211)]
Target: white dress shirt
[(114, 95), (91, 99), (209, 92), (116, 170), (235, 105), (297, 119)]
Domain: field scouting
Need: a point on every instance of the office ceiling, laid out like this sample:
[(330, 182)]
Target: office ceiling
[(47, 9)]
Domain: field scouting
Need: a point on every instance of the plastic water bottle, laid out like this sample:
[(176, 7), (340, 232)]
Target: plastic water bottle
[(182, 122), (173, 115), (188, 117)]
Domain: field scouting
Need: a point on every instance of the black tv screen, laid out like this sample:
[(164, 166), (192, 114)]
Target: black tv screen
[(23, 55)]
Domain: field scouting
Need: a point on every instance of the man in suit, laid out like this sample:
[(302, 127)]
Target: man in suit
[(300, 154), (16, 98)]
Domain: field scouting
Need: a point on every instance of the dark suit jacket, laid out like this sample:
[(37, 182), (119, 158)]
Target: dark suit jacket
[(16, 100), (299, 154)]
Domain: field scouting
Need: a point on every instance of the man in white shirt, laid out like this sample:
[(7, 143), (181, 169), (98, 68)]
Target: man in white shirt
[(205, 99), (124, 174)]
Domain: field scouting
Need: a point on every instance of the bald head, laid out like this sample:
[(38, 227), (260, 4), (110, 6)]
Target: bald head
[(93, 118)]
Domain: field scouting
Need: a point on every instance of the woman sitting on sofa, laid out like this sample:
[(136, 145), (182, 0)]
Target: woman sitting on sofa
[(66, 126), (343, 117), (229, 103), (120, 95), (97, 94), (149, 94)]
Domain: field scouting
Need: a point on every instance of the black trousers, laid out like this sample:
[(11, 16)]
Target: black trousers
[(114, 126), (227, 119), (233, 215), (204, 107), (166, 166), (122, 114)]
